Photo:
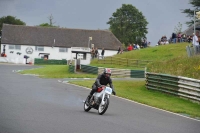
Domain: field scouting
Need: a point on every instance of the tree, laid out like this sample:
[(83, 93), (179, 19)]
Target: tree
[(178, 28), (50, 24), (10, 20), (190, 12), (128, 24), (45, 25)]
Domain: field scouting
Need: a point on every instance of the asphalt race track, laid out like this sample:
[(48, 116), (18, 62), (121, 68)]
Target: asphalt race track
[(29, 104)]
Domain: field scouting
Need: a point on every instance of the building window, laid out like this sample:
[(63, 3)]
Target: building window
[(18, 47), (63, 50), (39, 48), (11, 46), (15, 47)]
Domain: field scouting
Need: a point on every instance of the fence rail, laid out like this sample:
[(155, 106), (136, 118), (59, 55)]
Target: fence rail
[(115, 72), (71, 69), (49, 62), (190, 51), (181, 86), (124, 61), (89, 69)]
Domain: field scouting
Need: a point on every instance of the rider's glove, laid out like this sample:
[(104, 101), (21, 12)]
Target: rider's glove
[(114, 93)]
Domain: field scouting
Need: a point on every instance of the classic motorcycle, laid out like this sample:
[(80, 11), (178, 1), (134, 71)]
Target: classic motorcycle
[(99, 100)]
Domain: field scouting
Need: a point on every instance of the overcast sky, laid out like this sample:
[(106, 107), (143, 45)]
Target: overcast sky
[(162, 15)]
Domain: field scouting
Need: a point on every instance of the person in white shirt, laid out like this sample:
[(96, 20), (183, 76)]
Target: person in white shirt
[(195, 43), (138, 46)]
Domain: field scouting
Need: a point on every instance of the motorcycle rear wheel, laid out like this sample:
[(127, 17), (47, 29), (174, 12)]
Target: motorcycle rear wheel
[(86, 105), (102, 108)]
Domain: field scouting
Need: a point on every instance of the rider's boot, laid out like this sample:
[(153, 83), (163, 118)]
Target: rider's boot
[(89, 96), (91, 93)]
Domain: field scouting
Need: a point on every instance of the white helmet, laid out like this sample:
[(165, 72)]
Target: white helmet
[(107, 71)]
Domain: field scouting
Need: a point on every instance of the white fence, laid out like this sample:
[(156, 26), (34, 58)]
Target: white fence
[(13, 60)]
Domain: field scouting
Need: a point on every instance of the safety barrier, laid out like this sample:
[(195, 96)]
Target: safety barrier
[(49, 62), (71, 69), (181, 86), (115, 72), (89, 69), (190, 51), (124, 62)]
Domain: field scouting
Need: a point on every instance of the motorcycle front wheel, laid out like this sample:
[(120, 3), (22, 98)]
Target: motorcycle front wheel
[(86, 105), (102, 108)]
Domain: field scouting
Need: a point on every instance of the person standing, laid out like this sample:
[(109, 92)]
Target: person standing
[(102, 53), (189, 39), (119, 50), (93, 52), (174, 37), (96, 53), (195, 43)]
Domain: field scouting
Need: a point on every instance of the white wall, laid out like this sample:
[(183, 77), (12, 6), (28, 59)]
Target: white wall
[(108, 52), (53, 51)]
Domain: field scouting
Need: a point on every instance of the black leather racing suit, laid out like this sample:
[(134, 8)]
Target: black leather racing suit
[(101, 80)]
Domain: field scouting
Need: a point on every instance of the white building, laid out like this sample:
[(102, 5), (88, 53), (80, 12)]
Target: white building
[(54, 43)]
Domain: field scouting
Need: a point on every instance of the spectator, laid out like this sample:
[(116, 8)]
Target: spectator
[(134, 46), (195, 43), (159, 42), (179, 37), (184, 38), (138, 46), (149, 43), (166, 42), (96, 53), (144, 42), (102, 53), (170, 40), (93, 52), (174, 37), (119, 50), (189, 39), (130, 47)]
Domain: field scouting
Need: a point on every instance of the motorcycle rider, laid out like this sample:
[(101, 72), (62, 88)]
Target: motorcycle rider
[(102, 79)]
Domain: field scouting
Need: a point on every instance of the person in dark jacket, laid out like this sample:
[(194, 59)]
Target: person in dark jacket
[(102, 53), (96, 53), (102, 79), (174, 37), (119, 50)]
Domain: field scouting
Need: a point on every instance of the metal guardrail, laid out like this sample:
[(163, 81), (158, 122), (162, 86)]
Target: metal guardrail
[(190, 51), (181, 86), (115, 72)]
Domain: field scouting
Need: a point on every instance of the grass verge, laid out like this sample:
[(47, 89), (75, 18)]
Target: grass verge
[(56, 71), (135, 90)]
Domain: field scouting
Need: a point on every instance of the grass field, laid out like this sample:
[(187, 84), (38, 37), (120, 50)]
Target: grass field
[(56, 71), (168, 59)]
